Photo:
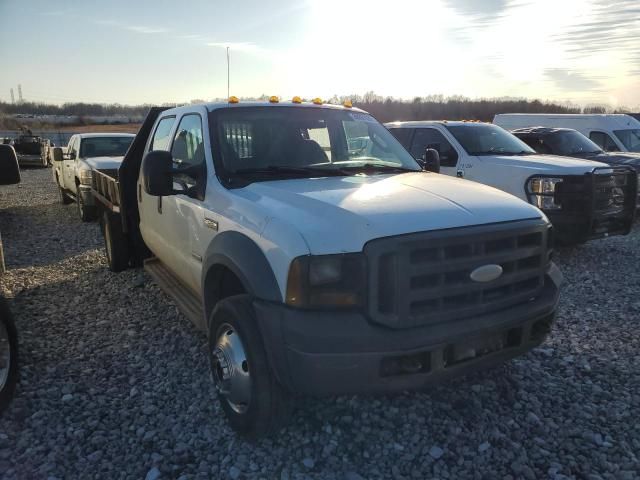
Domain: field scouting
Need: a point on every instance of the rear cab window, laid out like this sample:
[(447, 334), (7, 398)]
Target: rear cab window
[(161, 137)]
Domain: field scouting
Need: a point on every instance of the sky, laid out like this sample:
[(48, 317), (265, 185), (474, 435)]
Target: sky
[(156, 51)]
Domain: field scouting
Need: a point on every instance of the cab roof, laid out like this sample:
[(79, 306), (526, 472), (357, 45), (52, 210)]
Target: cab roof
[(210, 107), (427, 123), (106, 134)]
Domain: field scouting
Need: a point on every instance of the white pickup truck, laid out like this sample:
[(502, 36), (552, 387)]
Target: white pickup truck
[(583, 199), (317, 269), (73, 170)]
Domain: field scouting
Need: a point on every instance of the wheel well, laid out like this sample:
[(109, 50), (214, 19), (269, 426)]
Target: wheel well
[(220, 283)]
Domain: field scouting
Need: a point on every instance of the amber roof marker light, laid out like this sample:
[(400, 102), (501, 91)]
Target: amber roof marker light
[(233, 99), (274, 99), (296, 99)]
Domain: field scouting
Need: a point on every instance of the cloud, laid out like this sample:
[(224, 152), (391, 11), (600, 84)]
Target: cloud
[(567, 79), (478, 7), (145, 29)]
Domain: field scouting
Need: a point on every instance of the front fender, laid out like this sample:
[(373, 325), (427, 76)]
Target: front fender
[(246, 260)]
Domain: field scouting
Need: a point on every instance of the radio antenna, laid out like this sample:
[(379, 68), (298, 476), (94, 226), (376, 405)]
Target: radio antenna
[(228, 77)]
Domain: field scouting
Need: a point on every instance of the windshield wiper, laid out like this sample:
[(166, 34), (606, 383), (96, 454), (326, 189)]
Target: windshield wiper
[(280, 170), (377, 167)]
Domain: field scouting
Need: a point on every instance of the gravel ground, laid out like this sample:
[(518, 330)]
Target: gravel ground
[(115, 382)]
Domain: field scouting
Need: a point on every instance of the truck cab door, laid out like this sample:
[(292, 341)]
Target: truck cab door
[(68, 164), (192, 225), (152, 209), (430, 137)]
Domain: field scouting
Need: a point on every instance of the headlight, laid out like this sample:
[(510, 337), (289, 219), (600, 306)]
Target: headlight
[(327, 281), (541, 192), (86, 176)]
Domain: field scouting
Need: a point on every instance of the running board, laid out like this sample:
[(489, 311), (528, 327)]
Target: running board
[(186, 300)]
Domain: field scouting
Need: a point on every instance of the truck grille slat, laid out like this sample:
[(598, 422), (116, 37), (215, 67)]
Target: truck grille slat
[(424, 278)]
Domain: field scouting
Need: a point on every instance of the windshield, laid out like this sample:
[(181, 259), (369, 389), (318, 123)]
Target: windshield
[(104, 146), (307, 142), (570, 143), (629, 138), (487, 139)]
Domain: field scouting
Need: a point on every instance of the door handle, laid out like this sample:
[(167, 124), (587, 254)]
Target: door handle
[(160, 205)]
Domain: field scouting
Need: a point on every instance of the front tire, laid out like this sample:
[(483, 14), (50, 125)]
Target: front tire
[(64, 199), (254, 402), (8, 356), (86, 214)]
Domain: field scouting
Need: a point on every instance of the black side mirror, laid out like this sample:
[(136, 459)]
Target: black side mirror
[(58, 156), (9, 168), (431, 160), (157, 173), (71, 155)]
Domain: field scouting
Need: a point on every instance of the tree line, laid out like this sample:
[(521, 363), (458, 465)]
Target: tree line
[(432, 107)]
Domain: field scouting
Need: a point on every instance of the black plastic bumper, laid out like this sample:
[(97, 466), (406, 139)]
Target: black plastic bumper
[(326, 353)]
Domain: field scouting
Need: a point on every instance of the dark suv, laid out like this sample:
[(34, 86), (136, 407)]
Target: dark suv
[(570, 143)]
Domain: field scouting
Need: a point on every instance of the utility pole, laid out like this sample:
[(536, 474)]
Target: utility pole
[(228, 76), (19, 93), (13, 98)]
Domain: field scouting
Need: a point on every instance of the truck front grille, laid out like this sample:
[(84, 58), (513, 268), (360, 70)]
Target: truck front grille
[(424, 278), (606, 198)]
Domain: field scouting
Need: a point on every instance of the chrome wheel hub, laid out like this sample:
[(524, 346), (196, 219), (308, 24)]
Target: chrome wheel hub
[(5, 355), (231, 369)]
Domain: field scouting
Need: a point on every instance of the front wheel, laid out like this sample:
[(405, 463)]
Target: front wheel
[(254, 402), (86, 214), (64, 198), (8, 355)]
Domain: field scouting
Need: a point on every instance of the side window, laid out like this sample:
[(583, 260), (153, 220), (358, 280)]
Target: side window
[(403, 135), (604, 141), (161, 137), (538, 144), (73, 147), (319, 135), (187, 149), (431, 138)]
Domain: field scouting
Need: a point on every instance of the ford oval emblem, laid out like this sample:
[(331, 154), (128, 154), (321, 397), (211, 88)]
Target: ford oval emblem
[(486, 273)]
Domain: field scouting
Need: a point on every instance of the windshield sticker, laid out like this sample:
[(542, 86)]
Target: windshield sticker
[(363, 117)]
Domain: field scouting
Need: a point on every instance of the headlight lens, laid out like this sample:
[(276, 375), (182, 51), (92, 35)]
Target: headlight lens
[(541, 192), (86, 176), (327, 281)]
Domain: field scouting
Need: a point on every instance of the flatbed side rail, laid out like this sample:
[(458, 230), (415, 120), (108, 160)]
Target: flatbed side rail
[(106, 190)]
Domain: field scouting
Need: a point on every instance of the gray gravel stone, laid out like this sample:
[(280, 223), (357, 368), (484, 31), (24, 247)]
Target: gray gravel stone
[(141, 394)]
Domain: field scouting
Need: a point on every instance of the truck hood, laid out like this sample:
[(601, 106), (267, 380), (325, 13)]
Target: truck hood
[(619, 158), (543, 164), (341, 214), (104, 163)]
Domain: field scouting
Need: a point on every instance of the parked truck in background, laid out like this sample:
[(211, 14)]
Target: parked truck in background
[(74, 168), (583, 199), (611, 132), (317, 267), (9, 175), (29, 150), (571, 143)]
